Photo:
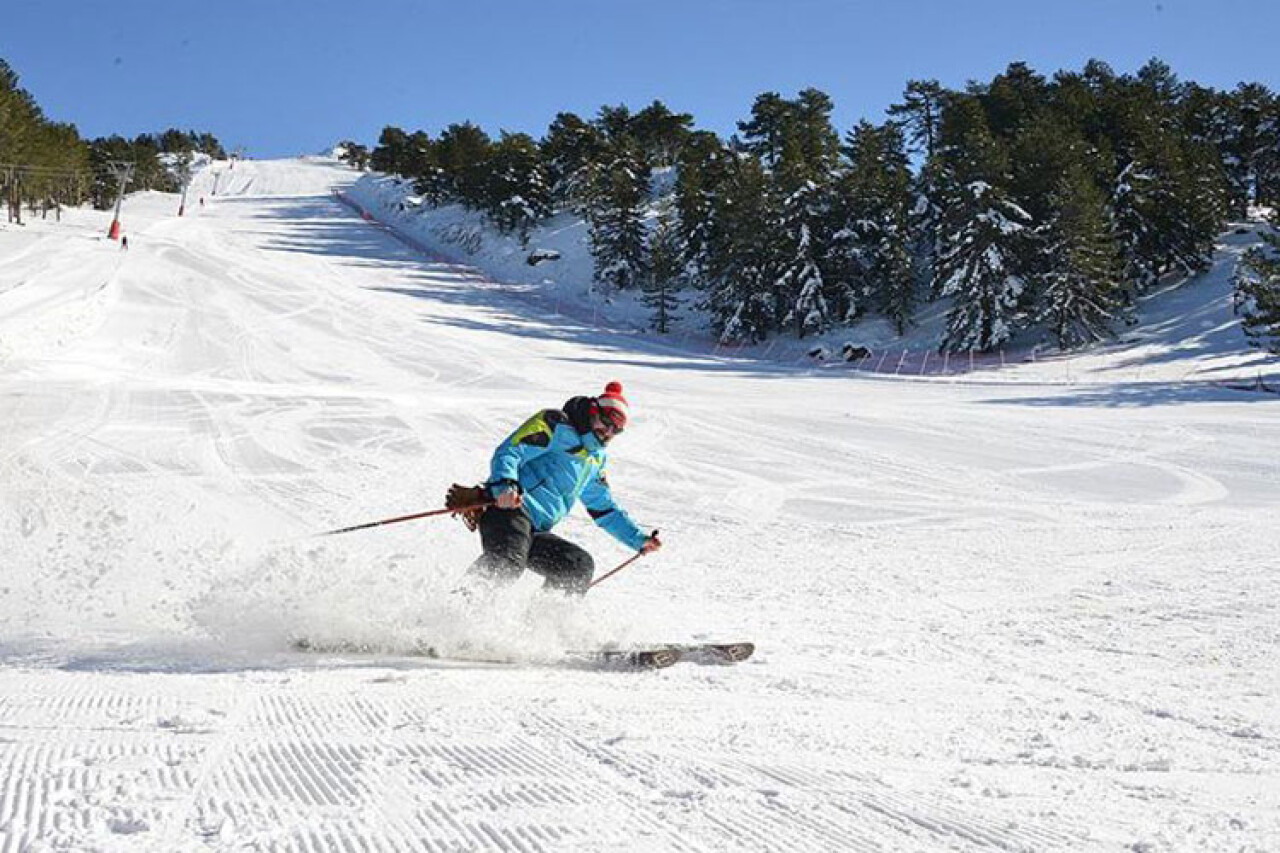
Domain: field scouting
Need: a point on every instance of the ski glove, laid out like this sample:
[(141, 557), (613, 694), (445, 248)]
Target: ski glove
[(467, 503)]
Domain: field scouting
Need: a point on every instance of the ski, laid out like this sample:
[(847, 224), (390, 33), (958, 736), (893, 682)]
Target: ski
[(716, 653), (655, 658), (658, 656), (665, 655)]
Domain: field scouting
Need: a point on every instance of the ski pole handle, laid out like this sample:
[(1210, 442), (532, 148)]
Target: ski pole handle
[(608, 575)]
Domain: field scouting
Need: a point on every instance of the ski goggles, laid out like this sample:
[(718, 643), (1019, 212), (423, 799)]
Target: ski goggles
[(614, 422)]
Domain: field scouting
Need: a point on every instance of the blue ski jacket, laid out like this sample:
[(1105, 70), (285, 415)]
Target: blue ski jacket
[(554, 459)]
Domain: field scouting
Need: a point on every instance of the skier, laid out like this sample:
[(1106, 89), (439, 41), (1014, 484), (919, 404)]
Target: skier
[(124, 242), (536, 476)]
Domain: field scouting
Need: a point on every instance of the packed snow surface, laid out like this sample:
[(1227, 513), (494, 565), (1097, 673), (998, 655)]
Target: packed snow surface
[(1006, 610)]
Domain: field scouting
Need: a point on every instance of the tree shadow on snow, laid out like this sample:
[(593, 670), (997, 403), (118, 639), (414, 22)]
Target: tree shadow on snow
[(1139, 395), (324, 227)]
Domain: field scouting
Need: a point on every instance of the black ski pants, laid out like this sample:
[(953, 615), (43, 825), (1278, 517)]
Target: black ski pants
[(511, 545)]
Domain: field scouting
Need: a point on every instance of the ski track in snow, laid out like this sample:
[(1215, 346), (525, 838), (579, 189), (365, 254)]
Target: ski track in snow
[(990, 616)]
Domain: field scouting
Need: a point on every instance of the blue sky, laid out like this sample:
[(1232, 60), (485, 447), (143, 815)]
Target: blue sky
[(283, 77)]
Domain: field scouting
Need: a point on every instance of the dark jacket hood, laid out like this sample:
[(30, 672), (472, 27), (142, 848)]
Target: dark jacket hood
[(579, 411)]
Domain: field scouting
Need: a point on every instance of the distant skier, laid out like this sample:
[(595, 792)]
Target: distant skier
[(124, 242), (536, 476)]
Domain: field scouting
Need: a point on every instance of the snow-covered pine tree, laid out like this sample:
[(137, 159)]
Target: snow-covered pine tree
[(980, 267), (666, 268), (615, 216), (660, 133), (1133, 209), (1207, 199), (872, 246), (1267, 155), (569, 149), (463, 154), (983, 237), (699, 178), (517, 196), (1168, 205), (895, 272), (800, 287), (741, 271), (847, 266), (1257, 294), (1171, 194), (1214, 119), (1081, 287), (354, 153), (802, 181), (920, 115), (924, 222)]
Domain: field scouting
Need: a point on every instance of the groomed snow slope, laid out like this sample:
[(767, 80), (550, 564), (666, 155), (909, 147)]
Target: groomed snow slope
[(990, 616)]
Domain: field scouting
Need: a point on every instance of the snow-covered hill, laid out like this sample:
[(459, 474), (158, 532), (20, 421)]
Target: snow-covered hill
[(1009, 612), (1187, 330)]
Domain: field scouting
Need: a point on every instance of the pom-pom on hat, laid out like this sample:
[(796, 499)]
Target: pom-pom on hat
[(612, 405)]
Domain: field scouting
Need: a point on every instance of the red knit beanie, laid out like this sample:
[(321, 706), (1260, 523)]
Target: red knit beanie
[(612, 405)]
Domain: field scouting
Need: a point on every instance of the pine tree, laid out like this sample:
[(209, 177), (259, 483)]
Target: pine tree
[(209, 144), (53, 161), (764, 134), (1013, 100), (20, 116), (810, 126), (1258, 294), (569, 149), (420, 161), (661, 133), (801, 178), (666, 268), (517, 196), (983, 237), (1080, 294), (1267, 155), (102, 152), (1168, 205), (980, 268), (149, 172), (895, 275), (1040, 154), (614, 123), (740, 295), (871, 249), (924, 223), (1250, 143), (463, 152), (700, 177), (616, 226), (1171, 197), (354, 153), (800, 286), (1216, 121), (389, 154), (920, 114)]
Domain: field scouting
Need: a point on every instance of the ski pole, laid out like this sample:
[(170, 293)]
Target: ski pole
[(628, 562), (401, 518)]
